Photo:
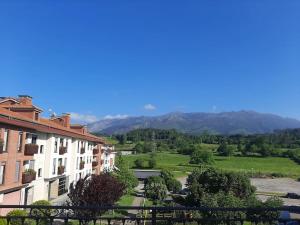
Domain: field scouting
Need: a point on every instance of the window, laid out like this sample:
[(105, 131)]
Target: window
[(54, 167), (17, 172), (60, 162), (34, 139), (40, 172), (65, 163), (5, 140), (56, 145), (78, 146), (61, 142), (20, 139), (41, 149), (36, 116), (77, 163), (2, 173)]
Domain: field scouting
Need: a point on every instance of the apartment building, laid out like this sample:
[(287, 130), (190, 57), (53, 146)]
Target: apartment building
[(40, 157)]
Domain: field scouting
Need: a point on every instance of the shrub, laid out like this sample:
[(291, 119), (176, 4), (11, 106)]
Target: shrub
[(29, 171), (152, 163), (42, 212), (139, 163), (155, 189), (174, 185), (202, 157), (18, 221)]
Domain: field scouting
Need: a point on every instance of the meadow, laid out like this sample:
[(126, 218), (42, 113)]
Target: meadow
[(257, 166)]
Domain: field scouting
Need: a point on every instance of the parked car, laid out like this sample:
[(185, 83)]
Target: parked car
[(292, 196)]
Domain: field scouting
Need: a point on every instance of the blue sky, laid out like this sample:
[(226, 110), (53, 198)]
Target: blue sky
[(99, 58)]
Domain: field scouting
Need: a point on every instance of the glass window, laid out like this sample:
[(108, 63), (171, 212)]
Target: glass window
[(34, 139), (20, 139), (41, 149), (54, 167), (56, 145), (17, 172), (2, 173), (5, 140)]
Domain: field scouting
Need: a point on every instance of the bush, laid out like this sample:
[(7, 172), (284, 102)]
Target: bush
[(139, 163), (155, 189), (202, 157), (174, 185), (152, 163), (18, 221), (3, 222), (42, 212)]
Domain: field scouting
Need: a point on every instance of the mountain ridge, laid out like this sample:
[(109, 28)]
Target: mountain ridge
[(234, 122)]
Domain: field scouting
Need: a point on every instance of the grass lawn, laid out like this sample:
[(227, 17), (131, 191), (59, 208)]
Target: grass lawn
[(126, 200), (179, 164)]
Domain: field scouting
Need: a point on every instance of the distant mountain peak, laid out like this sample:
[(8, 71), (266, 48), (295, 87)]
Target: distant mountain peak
[(244, 121)]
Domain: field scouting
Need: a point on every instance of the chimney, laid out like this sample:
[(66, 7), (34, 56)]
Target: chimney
[(66, 119), (25, 100)]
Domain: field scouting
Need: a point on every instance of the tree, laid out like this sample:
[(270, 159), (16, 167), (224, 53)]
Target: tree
[(152, 163), (95, 190), (138, 148), (172, 184), (123, 139), (225, 150), (125, 175), (202, 157), (139, 163), (155, 189), (212, 182)]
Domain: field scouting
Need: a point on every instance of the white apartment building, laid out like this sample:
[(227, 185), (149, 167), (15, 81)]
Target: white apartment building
[(39, 157)]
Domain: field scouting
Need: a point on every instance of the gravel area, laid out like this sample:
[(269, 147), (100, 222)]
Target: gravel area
[(278, 185)]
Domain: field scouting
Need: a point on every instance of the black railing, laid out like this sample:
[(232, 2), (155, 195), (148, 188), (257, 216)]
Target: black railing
[(91, 215)]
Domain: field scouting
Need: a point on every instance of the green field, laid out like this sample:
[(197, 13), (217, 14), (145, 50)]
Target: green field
[(179, 164)]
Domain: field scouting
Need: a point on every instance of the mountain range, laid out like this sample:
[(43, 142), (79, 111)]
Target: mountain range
[(240, 122)]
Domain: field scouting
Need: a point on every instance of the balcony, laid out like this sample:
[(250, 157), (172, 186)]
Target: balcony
[(81, 165), (62, 150), (31, 149), (28, 176), (153, 215), (60, 170), (82, 150), (95, 151), (94, 163)]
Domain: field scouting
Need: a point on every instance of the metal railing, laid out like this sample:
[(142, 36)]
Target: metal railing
[(123, 215)]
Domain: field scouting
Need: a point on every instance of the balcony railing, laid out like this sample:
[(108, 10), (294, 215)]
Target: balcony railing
[(82, 150), (60, 170), (62, 150), (81, 165), (31, 149), (27, 177), (153, 215), (94, 163), (95, 151)]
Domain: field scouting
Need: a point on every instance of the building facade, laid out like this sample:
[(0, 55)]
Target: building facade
[(39, 157)]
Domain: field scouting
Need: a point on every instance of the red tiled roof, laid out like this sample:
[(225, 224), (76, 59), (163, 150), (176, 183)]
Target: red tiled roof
[(43, 125)]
